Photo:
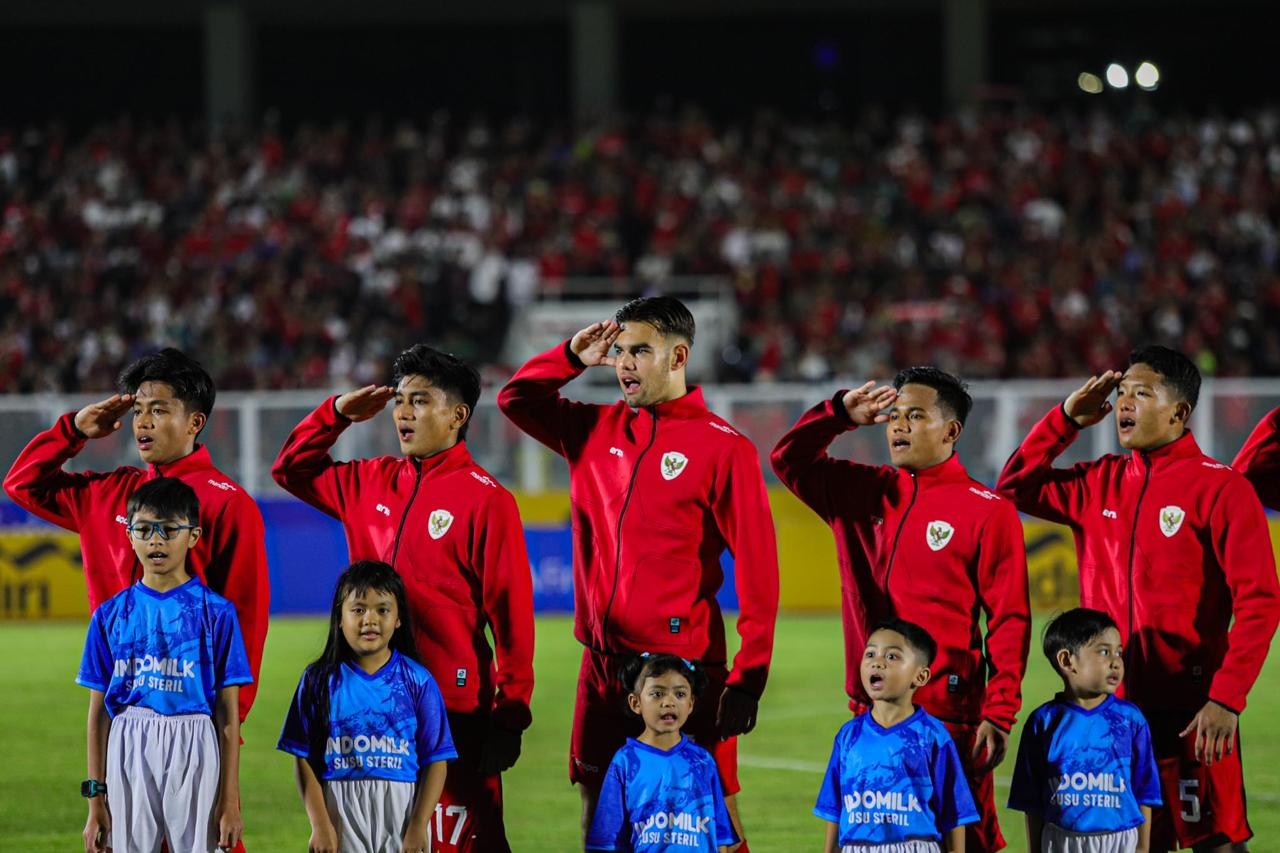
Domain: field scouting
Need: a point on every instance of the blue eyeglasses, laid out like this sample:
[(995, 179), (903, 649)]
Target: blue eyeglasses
[(144, 530)]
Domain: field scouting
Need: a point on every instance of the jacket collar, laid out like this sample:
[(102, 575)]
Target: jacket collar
[(446, 460), (197, 460), (1182, 447), (949, 469), (691, 405)]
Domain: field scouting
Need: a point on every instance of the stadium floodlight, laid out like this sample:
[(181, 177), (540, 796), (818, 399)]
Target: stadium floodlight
[(1147, 76), (1117, 77), (1090, 83)]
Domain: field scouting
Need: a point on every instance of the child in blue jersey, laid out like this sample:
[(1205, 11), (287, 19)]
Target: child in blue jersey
[(368, 725), (894, 783), (164, 661), (662, 792), (1086, 776)]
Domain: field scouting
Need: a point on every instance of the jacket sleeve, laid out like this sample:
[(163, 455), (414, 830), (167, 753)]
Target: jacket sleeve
[(238, 573), (823, 483), (305, 469), (532, 401), (37, 483), (1259, 460), (507, 590), (741, 507), (1034, 485), (1002, 588), (1242, 544)]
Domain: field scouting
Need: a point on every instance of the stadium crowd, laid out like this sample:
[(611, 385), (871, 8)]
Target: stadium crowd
[(992, 245)]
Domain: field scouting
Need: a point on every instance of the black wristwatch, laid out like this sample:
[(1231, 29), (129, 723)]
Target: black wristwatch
[(92, 787)]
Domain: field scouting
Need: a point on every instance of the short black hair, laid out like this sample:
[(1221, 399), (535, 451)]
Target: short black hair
[(953, 394), (167, 497), (639, 667), (665, 313), (1178, 372), (457, 379), (920, 641), (1073, 630), (190, 382)]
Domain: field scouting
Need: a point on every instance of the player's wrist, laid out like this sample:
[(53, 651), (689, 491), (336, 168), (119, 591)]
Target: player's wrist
[(574, 361)]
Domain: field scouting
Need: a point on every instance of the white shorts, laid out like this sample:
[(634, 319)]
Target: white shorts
[(916, 845), (162, 781), (1055, 839), (370, 815)]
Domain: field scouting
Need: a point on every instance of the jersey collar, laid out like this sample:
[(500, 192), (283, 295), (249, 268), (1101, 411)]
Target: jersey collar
[(684, 740), (1182, 447), (197, 460), (691, 405), (949, 469), (454, 458)]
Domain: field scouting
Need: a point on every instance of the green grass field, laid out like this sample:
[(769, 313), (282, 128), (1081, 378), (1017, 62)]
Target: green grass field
[(43, 713)]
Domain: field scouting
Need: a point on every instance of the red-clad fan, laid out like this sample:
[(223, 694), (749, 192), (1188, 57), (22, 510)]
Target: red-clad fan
[(1259, 460), (454, 535), (171, 397), (659, 488), (1174, 546), (923, 540)]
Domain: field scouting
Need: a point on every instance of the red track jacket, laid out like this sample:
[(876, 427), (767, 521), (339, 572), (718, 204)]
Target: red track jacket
[(1259, 460), (230, 557), (934, 547), (657, 494), (1171, 544), (454, 535)]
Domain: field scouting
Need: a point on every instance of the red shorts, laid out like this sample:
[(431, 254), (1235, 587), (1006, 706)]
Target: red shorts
[(983, 836), (1201, 802), (602, 722), (468, 818)]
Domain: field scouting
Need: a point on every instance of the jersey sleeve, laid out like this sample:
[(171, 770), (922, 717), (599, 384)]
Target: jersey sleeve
[(1034, 485), (953, 800), (37, 483), (609, 824), (1002, 588), (1027, 785), (1259, 460), (305, 469), (828, 805), (231, 662), (1145, 783), (435, 741), (532, 401), (95, 663), (295, 736), (741, 508), (507, 591)]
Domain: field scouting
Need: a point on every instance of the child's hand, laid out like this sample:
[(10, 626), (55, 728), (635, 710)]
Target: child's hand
[(230, 825), (415, 840), (324, 839), (97, 830)]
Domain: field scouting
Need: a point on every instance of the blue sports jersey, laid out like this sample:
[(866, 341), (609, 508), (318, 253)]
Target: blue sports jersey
[(387, 725), (167, 651), (889, 785), (1086, 770), (655, 800)]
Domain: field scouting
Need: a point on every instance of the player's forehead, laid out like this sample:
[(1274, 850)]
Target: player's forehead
[(635, 333), (153, 392), (416, 383), (887, 638), (369, 597), (669, 680), (1105, 637), (915, 396), (1141, 374), (146, 515)]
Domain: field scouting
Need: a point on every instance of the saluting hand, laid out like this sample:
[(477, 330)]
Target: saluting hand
[(364, 403), (1089, 403), (99, 420), (866, 407), (591, 345)]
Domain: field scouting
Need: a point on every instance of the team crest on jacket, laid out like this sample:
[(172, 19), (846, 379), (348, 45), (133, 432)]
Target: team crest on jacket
[(673, 464), (1171, 519), (439, 522), (938, 534)]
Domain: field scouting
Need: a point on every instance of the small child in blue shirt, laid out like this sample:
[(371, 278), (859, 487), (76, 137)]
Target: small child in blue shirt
[(662, 792), (894, 783), (1086, 776), (164, 660)]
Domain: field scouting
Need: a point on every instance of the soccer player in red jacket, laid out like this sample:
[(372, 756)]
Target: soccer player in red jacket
[(923, 540), (454, 535), (171, 397), (1174, 546), (659, 488), (1259, 460)]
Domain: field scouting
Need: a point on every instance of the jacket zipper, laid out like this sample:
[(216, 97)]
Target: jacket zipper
[(395, 550), (915, 489), (626, 501), (1133, 539)]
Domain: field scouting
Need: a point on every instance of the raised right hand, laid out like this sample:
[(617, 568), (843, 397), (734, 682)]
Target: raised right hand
[(866, 407), (99, 420), (364, 403), (591, 345), (1089, 403)]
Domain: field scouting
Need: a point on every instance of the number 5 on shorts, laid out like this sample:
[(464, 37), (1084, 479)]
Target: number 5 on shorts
[(1187, 793)]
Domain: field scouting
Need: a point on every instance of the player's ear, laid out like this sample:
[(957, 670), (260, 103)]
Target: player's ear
[(195, 533), (1182, 412), (196, 422), (922, 676), (679, 354), (633, 702), (952, 432), (1065, 660), (461, 414)]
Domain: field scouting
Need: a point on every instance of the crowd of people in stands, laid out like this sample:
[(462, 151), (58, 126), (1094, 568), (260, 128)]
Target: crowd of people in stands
[(993, 244)]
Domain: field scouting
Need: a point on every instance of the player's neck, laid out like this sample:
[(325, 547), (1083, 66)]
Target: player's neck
[(1084, 699), (374, 661), (660, 740), (890, 712), (165, 581)]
